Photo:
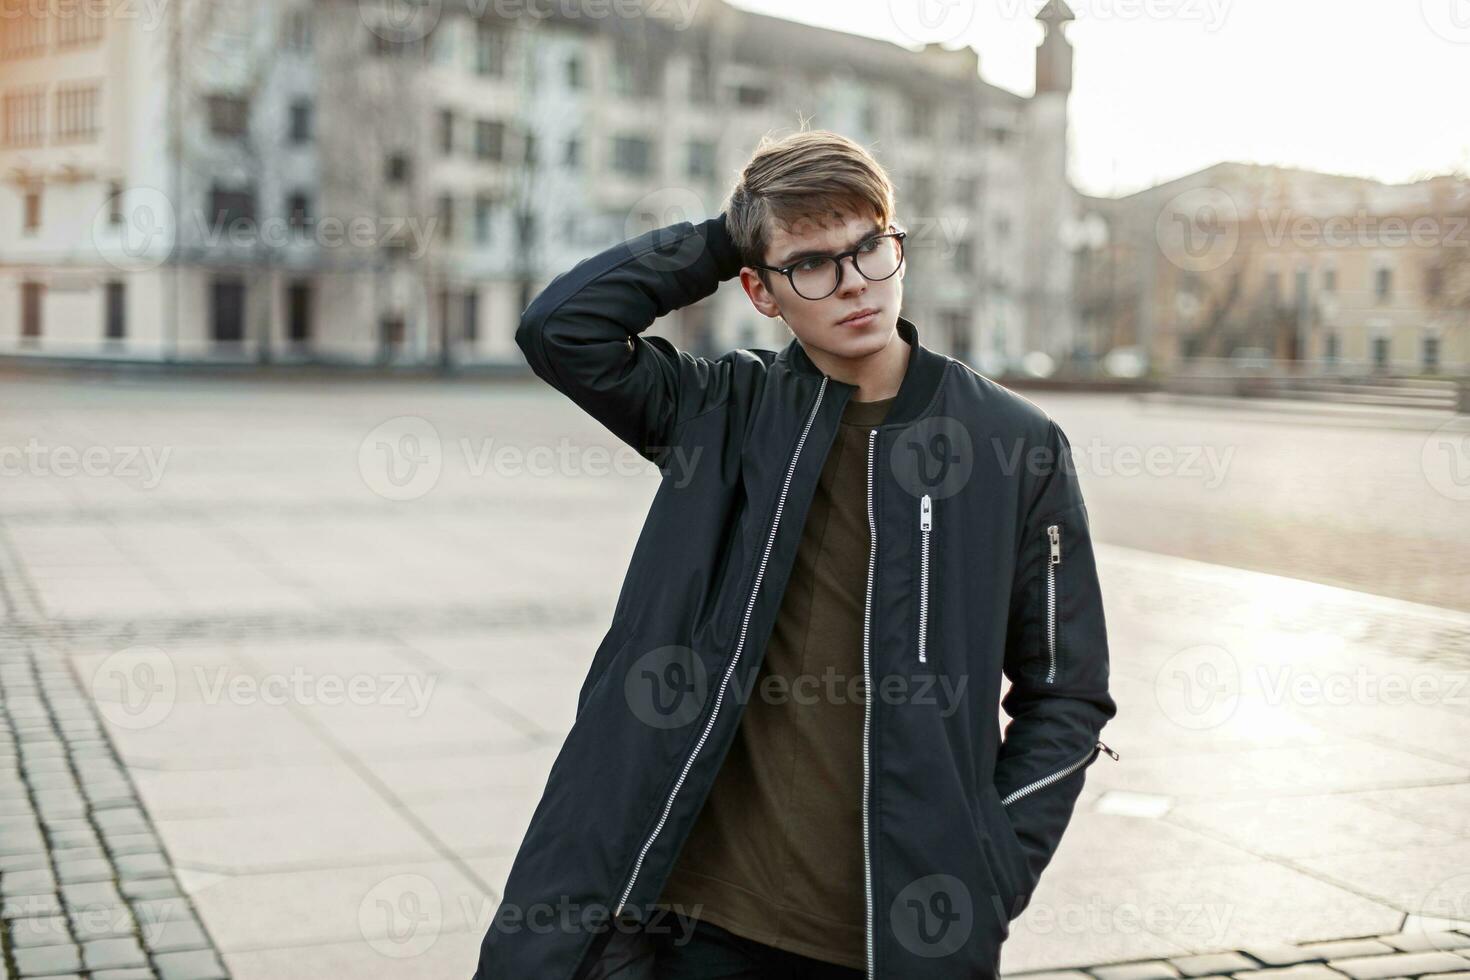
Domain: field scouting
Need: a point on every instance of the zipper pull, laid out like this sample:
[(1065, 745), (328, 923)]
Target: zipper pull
[(1055, 534), (1104, 747), (926, 513)]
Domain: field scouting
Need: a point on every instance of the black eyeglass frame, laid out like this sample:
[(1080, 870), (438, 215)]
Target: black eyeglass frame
[(853, 253)]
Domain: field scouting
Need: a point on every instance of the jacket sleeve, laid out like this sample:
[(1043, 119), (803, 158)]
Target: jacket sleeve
[(583, 333), (1056, 660)]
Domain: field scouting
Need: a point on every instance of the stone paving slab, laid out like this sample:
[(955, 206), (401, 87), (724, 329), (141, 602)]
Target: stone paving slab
[(1247, 822)]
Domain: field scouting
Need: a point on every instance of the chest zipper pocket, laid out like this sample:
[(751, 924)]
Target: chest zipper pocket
[(926, 526), (1053, 561)]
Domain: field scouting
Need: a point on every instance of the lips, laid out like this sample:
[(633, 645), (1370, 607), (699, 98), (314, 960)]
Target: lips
[(858, 318)]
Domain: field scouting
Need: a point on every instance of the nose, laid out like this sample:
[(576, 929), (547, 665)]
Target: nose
[(842, 280)]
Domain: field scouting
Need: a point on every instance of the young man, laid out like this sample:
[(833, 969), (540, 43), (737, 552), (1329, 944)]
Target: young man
[(786, 759)]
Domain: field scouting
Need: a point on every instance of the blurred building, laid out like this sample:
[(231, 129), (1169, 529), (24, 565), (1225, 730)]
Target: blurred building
[(348, 181), (1267, 266)]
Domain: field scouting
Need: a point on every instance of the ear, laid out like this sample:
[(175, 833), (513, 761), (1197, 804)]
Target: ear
[(760, 296)]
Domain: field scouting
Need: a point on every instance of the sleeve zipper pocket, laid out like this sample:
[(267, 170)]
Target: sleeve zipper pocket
[(1054, 558), (1047, 780)]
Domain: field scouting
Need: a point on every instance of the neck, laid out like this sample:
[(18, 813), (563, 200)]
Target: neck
[(877, 375)]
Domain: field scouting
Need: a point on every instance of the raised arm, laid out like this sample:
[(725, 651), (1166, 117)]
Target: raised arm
[(1057, 662), (583, 333)]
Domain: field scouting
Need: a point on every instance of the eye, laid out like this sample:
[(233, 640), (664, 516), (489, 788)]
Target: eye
[(811, 265), (870, 245)]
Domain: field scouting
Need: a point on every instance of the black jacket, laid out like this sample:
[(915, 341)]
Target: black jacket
[(981, 566)]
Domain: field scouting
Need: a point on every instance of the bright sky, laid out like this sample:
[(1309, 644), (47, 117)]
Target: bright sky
[(1379, 88)]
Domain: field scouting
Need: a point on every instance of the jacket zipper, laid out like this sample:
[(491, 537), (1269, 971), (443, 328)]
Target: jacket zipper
[(868, 698), (926, 522), (735, 657), (1054, 535), (1045, 781)]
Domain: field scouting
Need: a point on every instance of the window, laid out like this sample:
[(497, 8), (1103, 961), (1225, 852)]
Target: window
[(701, 158), (471, 314), (296, 30), (632, 155), (301, 121), (22, 30), (115, 193), (484, 213), (573, 154), (528, 147), (229, 115), (446, 218), (227, 311), (231, 207), (1382, 283), (298, 312), (750, 96), (1380, 353), (964, 256), (79, 22), (636, 71), (76, 112), (1434, 281), (32, 295), (115, 323), (1431, 353), (920, 120), (298, 210), (921, 192), (398, 168), (1329, 280), (23, 117), (446, 132), (1273, 288), (489, 139), (1331, 348), (489, 49), (32, 211), (574, 72), (701, 79)]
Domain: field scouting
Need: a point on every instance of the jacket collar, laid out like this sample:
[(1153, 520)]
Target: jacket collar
[(920, 380)]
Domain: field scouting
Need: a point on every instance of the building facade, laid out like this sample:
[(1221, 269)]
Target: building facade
[(352, 182), (1307, 272)]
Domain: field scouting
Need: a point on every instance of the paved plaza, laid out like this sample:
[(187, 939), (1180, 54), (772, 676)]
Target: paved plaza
[(284, 664)]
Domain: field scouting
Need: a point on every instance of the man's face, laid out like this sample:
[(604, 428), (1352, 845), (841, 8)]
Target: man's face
[(826, 324)]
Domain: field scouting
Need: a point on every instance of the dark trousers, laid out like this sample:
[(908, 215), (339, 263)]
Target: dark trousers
[(713, 953)]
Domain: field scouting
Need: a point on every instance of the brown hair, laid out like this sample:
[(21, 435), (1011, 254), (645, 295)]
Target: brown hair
[(807, 174)]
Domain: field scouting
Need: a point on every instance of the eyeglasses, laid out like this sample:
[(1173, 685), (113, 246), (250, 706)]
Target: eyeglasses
[(818, 276)]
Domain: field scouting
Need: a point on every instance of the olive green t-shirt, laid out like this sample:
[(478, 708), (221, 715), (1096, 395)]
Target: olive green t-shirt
[(776, 853)]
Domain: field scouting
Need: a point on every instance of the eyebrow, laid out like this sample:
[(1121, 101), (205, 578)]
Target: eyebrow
[(808, 253)]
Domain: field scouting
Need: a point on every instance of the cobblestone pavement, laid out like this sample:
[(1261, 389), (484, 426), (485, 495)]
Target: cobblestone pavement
[(83, 880), (310, 699)]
